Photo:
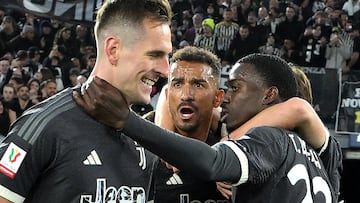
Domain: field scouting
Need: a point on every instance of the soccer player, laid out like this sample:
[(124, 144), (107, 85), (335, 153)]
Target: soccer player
[(266, 165), (57, 153), (296, 114), (192, 93)]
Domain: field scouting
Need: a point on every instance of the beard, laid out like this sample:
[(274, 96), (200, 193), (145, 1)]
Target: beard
[(186, 126)]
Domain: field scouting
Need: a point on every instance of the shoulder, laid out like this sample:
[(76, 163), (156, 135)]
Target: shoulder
[(235, 25), (267, 131), (220, 24), (331, 149), (43, 116), (266, 141)]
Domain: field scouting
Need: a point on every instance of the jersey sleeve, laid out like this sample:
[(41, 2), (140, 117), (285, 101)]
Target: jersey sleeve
[(265, 149), (331, 156), (242, 158), (22, 158), (217, 163)]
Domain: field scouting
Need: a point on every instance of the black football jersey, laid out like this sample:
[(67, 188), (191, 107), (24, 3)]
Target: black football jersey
[(266, 165), (331, 156), (278, 166), (57, 153), (182, 187)]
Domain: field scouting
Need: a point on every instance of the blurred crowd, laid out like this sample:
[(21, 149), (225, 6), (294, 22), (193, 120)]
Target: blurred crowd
[(40, 56)]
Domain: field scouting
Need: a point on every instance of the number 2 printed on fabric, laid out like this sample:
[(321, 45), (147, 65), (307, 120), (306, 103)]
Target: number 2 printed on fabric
[(299, 172)]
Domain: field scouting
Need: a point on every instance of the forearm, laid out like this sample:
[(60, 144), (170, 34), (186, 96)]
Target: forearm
[(278, 115), (186, 154), (307, 122), (294, 114), (312, 130), (353, 59)]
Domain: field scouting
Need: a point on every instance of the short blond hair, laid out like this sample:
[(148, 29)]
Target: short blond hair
[(303, 84)]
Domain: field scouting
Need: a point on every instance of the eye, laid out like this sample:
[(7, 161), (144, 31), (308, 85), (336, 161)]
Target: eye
[(177, 84), (233, 88), (198, 85), (156, 54)]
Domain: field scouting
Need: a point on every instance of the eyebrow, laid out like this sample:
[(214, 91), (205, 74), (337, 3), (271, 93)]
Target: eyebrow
[(199, 80), (157, 53), (177, 79), (232, 80), (194, 80)]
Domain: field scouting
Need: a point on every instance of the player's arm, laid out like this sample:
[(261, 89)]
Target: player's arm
[(295, 113), (3, 200), (219, 162), (214, 163)]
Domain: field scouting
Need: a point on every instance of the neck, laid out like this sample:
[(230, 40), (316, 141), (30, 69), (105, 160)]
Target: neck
[(23, 103), (8, 30), (227, 22), (201, 133)]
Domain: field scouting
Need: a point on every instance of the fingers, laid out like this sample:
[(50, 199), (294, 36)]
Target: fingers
[(103, 84), (103, 87), (79, 100), (86, 98), (224, 189), (92, 92), (103, 101), (175, 170), (171, 167)]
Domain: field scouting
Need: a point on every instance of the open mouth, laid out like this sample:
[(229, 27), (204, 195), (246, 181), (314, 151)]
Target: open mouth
[(186, 112)]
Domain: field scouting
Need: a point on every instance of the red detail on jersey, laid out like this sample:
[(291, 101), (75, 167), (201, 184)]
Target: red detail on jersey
[(16, 156), (6, 171)]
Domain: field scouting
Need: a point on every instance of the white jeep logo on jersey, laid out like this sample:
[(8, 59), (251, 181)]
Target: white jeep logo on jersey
[(123, 194), (185, 198)]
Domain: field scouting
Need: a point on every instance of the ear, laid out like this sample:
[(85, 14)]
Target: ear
[(112, 45), (219, 98), (271, 94)]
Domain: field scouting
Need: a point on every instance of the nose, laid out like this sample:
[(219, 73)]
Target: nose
[(163, 67), (226, 99), (187, 93)]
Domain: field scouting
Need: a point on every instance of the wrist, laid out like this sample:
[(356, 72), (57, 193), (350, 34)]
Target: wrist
[(131, 121), (119, 125)]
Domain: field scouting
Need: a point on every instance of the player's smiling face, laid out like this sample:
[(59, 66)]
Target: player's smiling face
[(143, 62), (191, 94)]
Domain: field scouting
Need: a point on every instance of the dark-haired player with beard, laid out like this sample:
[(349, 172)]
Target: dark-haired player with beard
[(192, 94)]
